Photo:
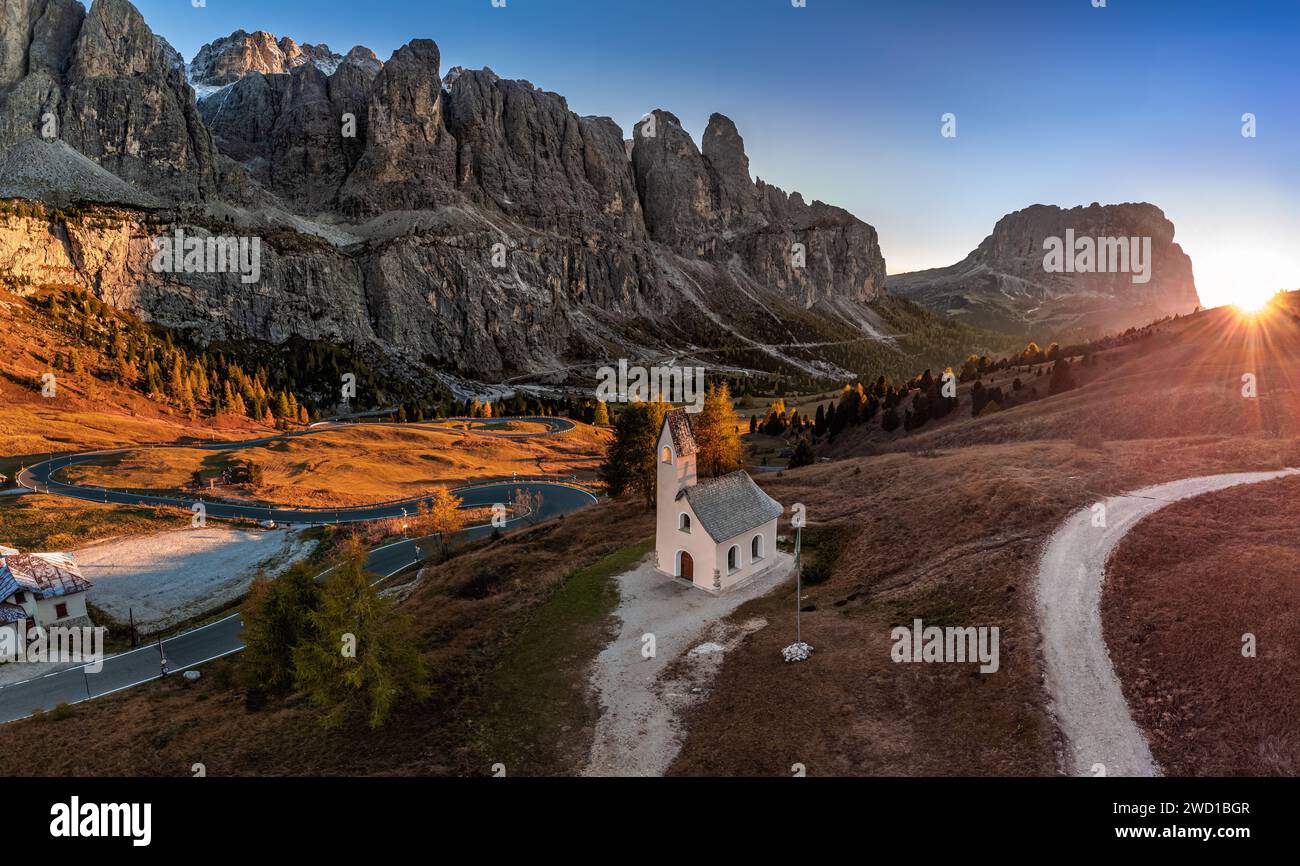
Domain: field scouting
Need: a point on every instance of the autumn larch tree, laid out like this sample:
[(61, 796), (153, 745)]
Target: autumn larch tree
[(441, 516), (717, 433), (277, 618), (1062, 377)]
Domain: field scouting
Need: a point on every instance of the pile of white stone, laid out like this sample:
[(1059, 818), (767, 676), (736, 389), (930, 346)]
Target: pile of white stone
[(797, 652)]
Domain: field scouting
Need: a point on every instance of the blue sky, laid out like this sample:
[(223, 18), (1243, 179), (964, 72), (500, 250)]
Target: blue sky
[(1056, 101)]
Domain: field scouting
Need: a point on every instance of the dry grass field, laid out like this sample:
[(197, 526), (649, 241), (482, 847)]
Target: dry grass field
[(39, 522), (501, 426), (1183, 589), (952, 538), (1184, 379), (357, 464)]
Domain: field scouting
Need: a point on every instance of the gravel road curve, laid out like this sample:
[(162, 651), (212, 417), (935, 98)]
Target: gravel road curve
[(1101, 737)]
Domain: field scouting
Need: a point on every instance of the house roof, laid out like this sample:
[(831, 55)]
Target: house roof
[(11, 613), (679, 426), (47, 575), (730, 506)]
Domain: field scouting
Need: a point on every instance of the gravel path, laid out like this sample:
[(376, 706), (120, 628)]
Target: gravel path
[(1100, 734), (637, 734)]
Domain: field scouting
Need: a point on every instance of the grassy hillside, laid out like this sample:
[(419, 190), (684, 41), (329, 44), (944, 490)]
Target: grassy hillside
[(355, 465), (89, 408), (1208, 709), (1177, 377), (945, 525)]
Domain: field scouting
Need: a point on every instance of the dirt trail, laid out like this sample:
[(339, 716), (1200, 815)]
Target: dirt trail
[(1100, 734), (637, 734)]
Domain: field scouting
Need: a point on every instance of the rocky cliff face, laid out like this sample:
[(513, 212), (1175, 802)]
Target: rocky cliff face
[(102, 83), (705, 205), (470, 223), (1004, 283)]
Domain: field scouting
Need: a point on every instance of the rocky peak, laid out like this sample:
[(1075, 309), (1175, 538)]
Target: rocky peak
[(320, 56), (364, 60), (524, 152), (115, 42), (674, 184), (126, 106), (230, 58), (410, 157), (171, 57), (724, 150), (600, 232), (705, 204)]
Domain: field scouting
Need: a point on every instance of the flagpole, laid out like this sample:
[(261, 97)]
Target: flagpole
[(798, 582)]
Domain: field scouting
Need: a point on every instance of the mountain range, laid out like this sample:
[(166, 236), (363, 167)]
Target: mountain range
[(468, 226)]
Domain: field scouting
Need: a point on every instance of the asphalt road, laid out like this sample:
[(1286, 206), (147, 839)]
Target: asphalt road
[(223, 637)]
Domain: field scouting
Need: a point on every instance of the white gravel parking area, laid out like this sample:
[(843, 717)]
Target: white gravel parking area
[(168, 577)]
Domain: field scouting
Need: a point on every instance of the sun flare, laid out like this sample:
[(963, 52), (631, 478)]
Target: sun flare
[(1253, 302)]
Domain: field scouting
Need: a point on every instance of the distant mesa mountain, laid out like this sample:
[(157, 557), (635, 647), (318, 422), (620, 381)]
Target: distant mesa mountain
[(1003, 284)]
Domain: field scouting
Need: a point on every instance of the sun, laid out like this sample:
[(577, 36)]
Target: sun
[(1253, 301)]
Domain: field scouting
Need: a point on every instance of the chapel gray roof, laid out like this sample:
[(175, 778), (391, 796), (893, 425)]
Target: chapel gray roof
[(731, 505), (679, 426)]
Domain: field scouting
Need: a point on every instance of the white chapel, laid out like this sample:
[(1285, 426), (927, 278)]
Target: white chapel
[(716, 533)]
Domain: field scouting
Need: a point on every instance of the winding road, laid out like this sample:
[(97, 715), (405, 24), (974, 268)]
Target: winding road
[(223, 637), (1100, 735)]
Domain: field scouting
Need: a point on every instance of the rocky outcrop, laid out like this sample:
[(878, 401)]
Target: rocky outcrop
[(36, 38), (522, 152), (299, 133), (102, 83), (705, 205), (1005, 283), (285, 129), (126, 108), (364, 60), (409, 160), (54, 30), (230, 58)]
